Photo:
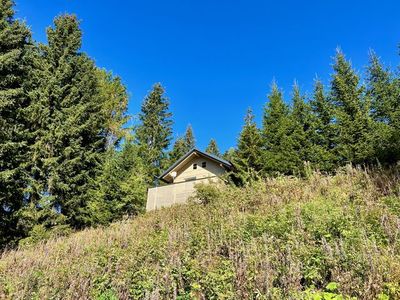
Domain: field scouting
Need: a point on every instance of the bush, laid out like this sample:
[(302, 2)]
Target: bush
[(206, 193)]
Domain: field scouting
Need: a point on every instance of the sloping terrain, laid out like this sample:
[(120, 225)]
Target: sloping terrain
[(324, 237)]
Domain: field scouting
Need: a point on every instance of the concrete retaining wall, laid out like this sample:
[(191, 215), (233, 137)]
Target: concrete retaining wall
[(176, 193)]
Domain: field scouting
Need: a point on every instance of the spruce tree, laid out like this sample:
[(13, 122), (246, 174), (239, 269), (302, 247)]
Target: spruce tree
[(279, 155), (178, 150), (384, 92), (247, 158), (301, 126), (69, 122), (212, 148), (154, 132), (115, 103), (322, 135), (352, 120), (182, 145), (190, 141), (15, 64), (121, 188), (229, 154)]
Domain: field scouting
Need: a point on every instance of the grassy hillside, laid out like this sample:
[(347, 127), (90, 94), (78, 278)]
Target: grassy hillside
[(317, 238)]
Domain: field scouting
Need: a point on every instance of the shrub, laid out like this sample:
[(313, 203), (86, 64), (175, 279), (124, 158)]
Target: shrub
[(207, 193)]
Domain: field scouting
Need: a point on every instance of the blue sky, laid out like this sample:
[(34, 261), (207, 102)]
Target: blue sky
[(216, 58)]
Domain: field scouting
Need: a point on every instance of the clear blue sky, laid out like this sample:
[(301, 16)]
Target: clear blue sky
[(218, 57)]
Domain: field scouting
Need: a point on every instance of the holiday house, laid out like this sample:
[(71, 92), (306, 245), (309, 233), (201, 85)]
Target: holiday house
[(180, 179)]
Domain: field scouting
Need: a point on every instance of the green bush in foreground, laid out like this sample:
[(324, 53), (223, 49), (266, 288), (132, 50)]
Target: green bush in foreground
[(325, 237)]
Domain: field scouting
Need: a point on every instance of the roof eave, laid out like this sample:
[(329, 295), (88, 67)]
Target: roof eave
[(210, 156)]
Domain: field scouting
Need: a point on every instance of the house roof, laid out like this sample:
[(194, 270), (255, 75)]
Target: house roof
[(217, 159)]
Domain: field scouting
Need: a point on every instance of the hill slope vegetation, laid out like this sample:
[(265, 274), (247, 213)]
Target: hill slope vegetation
[(322, 237)]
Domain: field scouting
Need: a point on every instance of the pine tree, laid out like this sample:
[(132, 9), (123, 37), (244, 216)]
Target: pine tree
[(279, 155), (247, 158), (182, 145), (154, 133), (322, 134), (384, 92), (15, 64), (69, 122), (212, 148), (352, 119)]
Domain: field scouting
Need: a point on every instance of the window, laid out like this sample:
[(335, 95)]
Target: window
[(194, 166), (203, 164)]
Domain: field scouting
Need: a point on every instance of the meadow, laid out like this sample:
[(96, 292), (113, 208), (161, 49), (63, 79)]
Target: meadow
[(320, 237)]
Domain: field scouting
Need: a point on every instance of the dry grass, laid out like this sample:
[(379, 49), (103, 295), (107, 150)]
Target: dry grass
[(280, 238)]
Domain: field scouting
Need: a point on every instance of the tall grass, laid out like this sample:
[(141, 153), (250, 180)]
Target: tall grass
[(283, 238)]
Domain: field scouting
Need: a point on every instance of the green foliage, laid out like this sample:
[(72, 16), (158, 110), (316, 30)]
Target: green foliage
[(391, 291), (322, 132), (280, 154), (352, 120), (154, 132), (301, 122), (248, 156), (324, 237), (190, 141), (107, 295), (121, 188), (206, 193), (40, 221), (69, 123), (330, 293), (59, 113), (67, 161), (383, 91), (16, 51), (115, 104), (218, 282), (182, 145), (179, 149), (212, 148)]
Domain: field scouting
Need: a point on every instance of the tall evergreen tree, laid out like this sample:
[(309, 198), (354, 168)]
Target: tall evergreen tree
[(15, 63), (279, 154), (322, 134), (154, 133), (121, 188), (247, 158), (182, 145), (212, 148), (178, 150), (384, 91), (69, 122), (115, 103), (301, 126), (352, 119), (189, 138)]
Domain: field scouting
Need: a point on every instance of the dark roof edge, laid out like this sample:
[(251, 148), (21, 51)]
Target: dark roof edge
[(211, 156)]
